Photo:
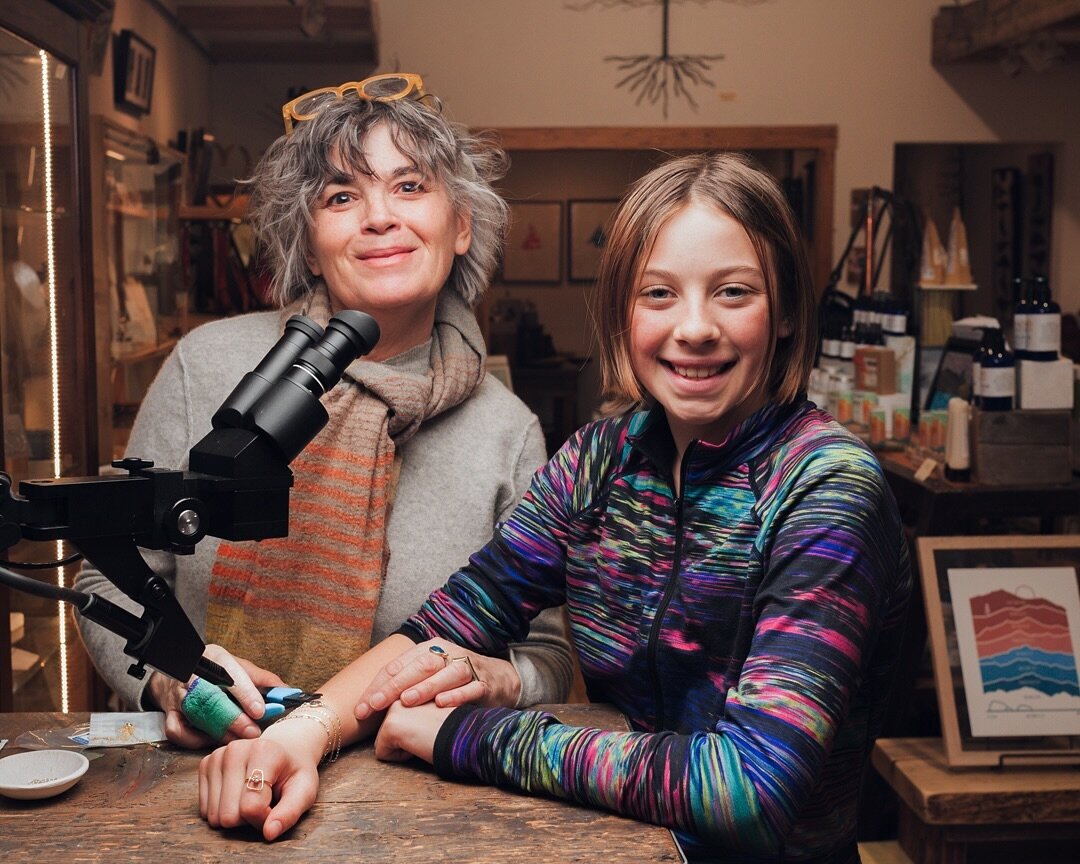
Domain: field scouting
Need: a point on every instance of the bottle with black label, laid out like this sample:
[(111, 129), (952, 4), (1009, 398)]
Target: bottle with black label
[(997, 373), (897, 322), (1044, 323), (847, 349), (830, 346), (1022, 312)]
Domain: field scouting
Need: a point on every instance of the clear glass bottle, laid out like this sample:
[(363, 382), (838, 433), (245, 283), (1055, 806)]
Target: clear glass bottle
[(997, 373), (1044, 323)]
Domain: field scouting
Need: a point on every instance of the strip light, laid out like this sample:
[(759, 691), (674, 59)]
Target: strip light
[(54, 353)]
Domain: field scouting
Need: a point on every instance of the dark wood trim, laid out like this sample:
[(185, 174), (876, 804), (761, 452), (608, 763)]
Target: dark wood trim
[(668, 137), (253, 18), (359, 53), (821, 139)]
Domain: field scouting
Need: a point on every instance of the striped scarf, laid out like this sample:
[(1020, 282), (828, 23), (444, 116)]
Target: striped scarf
[(303, 606)]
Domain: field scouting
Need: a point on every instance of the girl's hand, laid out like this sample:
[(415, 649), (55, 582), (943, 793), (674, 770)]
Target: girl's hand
[(408, 732), (437, 671), (168, 694), (267, 783)]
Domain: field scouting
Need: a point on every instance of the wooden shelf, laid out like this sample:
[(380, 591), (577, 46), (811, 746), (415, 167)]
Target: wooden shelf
[(137, 211), (233, 210), (982, 28)]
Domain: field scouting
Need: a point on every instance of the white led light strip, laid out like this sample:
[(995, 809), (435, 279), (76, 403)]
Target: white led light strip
[(54, 354)]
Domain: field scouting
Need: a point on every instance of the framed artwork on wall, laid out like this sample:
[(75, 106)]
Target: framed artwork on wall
[(1003, 614), (133, 72), (588, 236), (533, 251)]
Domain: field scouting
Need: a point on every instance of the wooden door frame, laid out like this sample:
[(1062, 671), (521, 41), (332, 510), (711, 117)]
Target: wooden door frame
[(820, 139)]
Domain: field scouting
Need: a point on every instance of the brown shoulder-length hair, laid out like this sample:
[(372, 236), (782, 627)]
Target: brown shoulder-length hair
[(732, 183)]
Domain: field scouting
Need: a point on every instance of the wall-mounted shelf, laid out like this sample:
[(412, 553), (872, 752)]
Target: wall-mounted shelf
[(984, 29)]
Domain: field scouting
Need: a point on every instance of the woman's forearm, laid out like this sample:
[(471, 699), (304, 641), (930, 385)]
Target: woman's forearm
[(340, 695)]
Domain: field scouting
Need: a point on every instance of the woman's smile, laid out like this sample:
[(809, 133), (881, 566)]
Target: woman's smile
[(390, 256)]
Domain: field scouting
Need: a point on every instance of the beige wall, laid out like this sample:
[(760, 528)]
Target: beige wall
[(181, 92), (863, 65)]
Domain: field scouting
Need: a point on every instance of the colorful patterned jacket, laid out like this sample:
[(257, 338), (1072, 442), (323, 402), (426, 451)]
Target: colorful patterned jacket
[(747, 628)]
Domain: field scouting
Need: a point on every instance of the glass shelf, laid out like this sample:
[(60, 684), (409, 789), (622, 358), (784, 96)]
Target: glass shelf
[(32, 211)]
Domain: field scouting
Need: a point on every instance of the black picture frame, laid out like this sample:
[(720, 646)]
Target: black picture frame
[(954, 375), (133, 72)]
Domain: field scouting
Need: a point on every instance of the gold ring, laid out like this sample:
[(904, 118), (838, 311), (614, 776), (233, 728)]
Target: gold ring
[(255, 780), (468, 662)]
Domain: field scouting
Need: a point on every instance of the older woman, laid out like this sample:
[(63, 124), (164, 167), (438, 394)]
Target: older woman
[(370, 201)]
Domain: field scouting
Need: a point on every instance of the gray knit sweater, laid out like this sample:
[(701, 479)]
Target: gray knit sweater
[(462, 472)]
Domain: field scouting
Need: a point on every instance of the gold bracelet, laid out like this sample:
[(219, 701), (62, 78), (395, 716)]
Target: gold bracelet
[(326, 717)]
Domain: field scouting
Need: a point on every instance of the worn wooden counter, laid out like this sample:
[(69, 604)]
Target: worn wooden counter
[(945, 814), (141, 803)]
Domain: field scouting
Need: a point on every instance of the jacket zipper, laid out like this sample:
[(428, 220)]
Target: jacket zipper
[(669, 591)]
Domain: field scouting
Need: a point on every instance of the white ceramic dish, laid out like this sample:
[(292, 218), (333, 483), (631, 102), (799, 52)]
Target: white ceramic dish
[(41, 773)]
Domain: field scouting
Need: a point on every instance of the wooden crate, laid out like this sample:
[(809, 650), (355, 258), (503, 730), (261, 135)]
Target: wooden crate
[(1021, 448)]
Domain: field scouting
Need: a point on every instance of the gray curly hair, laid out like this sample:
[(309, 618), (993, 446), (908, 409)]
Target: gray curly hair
[(294, 170)]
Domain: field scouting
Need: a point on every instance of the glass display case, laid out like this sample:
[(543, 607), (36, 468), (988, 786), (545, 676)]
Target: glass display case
[(45, 352), (141, 300)]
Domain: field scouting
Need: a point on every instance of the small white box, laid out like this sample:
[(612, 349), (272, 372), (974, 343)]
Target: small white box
[(1045, 384)]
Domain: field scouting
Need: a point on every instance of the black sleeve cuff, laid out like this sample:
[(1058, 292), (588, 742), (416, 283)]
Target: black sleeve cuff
[(442, 753), (411, 632)]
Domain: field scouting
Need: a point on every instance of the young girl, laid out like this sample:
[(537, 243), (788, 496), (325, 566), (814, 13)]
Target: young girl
[(731, 558)]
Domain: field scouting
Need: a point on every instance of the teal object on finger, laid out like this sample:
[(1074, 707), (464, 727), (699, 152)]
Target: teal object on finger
[(209, 708)]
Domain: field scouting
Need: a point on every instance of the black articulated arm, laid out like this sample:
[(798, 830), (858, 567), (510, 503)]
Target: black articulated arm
[(236, 487)]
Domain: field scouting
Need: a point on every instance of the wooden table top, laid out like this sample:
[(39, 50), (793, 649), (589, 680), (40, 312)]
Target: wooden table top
[(142, 803), (939, 795)]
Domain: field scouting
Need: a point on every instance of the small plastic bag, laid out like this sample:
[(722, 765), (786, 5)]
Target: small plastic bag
[(68, 738), (105, 729)]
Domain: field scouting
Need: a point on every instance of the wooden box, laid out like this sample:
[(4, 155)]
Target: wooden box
[(1021, 448)]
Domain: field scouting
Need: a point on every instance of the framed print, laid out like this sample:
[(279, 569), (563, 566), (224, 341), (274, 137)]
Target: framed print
[(133, 72), (533, 250), (588, 236), (1003, 614)]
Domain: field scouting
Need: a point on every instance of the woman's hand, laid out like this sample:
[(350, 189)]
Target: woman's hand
[(268, 783), (422, 674), (168, 694), (408, 732)]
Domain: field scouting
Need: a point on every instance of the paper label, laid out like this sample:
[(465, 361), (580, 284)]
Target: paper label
[(925, 470), (997, 382), (1044, 332), (1020, 331)]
